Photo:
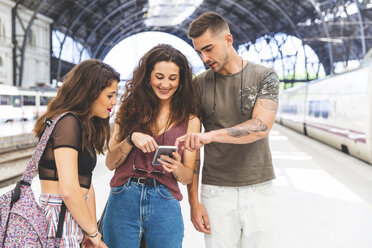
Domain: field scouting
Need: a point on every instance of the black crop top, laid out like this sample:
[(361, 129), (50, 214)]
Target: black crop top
[(67, 133)]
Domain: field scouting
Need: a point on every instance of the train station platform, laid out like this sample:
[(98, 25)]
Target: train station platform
[(16, 128), (324, 195)]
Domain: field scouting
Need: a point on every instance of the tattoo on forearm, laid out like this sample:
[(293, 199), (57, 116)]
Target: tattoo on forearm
[(253, 126), (197, 166), (269, 105), (118, 162), (175, 176), (237, 132), (257, 126)]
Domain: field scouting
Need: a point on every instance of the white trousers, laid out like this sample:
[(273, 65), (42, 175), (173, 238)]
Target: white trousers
[(241, 217)]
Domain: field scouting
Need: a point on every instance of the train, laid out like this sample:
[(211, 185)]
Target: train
[(19, 104), (336, 110)]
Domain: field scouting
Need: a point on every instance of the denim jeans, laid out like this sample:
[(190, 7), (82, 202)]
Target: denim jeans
[(241, 217), (135, 209)]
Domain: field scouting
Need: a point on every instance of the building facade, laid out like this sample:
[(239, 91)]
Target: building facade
[(36, 67)]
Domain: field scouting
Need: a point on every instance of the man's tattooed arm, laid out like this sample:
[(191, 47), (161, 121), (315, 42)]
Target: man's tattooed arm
[(253, 126), (197, 166), (269, 105)]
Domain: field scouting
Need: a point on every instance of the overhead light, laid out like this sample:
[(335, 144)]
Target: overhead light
[(164, 13), (324, 39)]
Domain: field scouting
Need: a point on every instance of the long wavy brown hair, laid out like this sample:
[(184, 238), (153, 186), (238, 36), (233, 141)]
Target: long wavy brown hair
[(139, 104), (80, 88)]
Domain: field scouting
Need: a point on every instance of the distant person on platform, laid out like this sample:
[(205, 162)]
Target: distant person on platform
[(239, 101)]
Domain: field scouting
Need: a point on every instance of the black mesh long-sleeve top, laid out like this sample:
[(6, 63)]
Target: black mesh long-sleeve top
[(67, 133)]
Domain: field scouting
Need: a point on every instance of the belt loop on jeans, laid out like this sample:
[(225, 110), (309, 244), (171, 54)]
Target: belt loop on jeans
[(156, 184)]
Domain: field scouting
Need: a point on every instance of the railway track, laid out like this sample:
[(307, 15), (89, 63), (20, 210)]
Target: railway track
[(15, 152)]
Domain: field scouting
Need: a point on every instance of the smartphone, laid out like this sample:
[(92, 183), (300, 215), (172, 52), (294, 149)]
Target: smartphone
[(163, 150)]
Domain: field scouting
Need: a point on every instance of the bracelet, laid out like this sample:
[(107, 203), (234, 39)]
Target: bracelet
[(129, 139), (92, 236)]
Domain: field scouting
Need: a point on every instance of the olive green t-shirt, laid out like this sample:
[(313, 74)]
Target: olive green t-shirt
[(235, 164)]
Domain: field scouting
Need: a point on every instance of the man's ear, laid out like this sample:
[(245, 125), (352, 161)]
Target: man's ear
[(229, 39)]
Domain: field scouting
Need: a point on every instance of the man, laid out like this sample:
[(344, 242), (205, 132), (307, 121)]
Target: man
[(238, 107)]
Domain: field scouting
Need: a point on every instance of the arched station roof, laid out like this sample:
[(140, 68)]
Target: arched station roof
[(334, 31)]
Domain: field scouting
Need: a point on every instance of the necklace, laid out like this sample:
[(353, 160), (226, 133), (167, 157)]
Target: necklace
[(241, 92), (162, 125), (163, 121)]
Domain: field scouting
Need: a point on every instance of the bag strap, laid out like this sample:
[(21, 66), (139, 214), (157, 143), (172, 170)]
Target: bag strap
[(32, 165), (100, 221), (61, 220)]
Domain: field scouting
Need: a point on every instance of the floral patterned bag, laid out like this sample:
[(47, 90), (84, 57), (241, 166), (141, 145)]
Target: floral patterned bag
[(22, 221)]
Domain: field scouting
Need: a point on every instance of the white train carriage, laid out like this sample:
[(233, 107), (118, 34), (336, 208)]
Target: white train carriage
[(29, 106), (10, 104), (44, 98), (294, 110), (19, 104), (335, 110)]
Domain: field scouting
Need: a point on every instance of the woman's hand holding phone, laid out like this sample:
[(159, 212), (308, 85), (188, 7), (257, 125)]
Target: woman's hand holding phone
[(170, 164)]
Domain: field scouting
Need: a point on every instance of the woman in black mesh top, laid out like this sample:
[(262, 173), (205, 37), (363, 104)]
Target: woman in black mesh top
[(88, 94)]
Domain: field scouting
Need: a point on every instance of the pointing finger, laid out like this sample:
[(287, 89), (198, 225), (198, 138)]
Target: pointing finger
[(180, 139)]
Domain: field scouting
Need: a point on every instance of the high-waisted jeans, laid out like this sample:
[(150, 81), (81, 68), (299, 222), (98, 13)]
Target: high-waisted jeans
[(135, 209)]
